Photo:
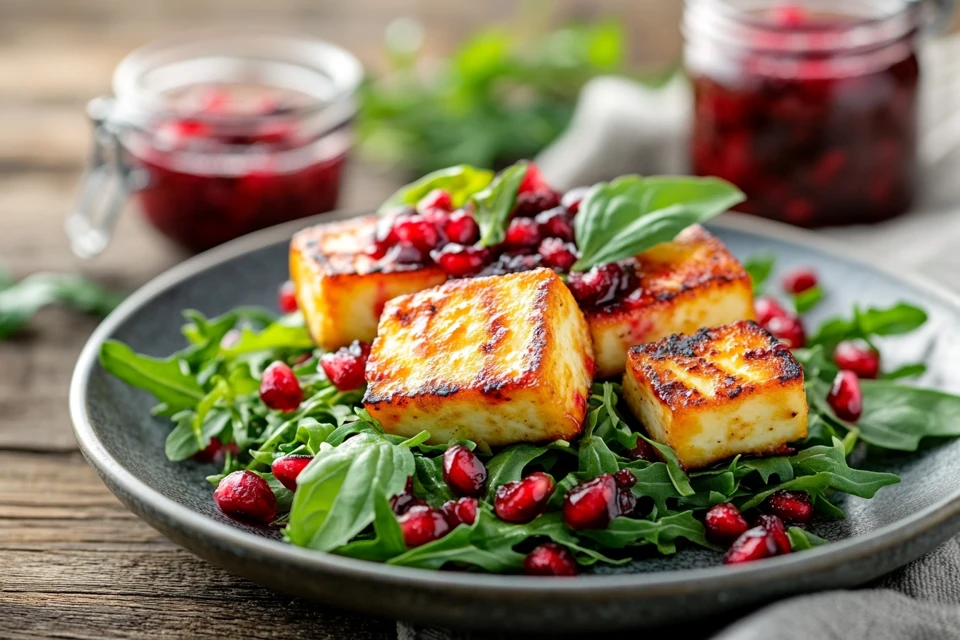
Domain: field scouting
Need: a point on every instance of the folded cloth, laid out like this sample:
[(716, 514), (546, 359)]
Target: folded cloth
[(621, 127)]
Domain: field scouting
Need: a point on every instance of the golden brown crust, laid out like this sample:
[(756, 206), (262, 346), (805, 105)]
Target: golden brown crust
[(696, 355)]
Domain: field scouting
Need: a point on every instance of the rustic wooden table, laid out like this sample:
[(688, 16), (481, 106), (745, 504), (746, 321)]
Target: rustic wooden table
[(75, 563)]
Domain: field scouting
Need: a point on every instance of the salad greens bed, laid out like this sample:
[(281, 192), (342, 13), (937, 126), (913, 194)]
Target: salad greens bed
[(342, 503)]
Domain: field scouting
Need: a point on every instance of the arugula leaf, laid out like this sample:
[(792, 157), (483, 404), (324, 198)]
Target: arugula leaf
[(905, 371), (312, 433), (428, 482), (334, 501), (631, 214), (807, 300), (626, 532), (759, 268), (388, 539), (779, 466), (898, 417), (508, 465), (801, 540), (288, 332), (899, 319), (163, 377), (461, 181), (677, 475), (820, 468), (19, 302), (182, 443), (595, 458), (493, 205)]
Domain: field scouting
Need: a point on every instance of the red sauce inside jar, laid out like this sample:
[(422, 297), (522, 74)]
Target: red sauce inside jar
[(235, 159), (816, 123)]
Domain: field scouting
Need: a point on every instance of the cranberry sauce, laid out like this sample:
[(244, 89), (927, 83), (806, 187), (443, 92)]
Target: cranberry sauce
[(234, 160), (813, 116)]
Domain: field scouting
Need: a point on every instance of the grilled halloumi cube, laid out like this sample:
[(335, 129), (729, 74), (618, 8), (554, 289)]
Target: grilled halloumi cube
[(685, 284), (500, 359), (341, 290), (717, 393)]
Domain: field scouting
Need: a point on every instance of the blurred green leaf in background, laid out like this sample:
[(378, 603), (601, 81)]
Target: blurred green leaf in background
[(503, 96)]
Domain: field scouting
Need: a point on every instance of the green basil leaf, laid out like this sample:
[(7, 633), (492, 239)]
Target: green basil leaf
[(164, 378), (19, 302), (807, 300), (898, 417), (759, 268), (631, 214), (388, 539), (461, 181), (626, 532), (801, 540), (493, 205), (508, 465), (334, 501)]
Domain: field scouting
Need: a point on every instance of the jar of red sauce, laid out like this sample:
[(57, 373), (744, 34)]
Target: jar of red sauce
[(217, 134), (809, 107)]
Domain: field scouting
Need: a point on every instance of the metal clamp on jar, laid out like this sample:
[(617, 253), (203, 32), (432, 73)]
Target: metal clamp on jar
[(218, 134)]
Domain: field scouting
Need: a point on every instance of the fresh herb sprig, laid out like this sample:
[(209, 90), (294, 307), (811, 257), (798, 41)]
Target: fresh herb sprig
[(20, 301)]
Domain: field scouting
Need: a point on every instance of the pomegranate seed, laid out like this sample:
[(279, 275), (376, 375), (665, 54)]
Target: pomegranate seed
[(602, 284), (724, 523), (532, 180), (774, 526), (799, 280), (766, 309), (345, 367), (438, 218), (404, 253), (845, 397), (644, 451), (416, 231), (788, 330), (287, 297), (246, 496), (556, 223), (459, 261), (287, 468), (279, 387), (523, 233), (557, 254), (462, 228), (753, 544), (422, 524), (625, 479), (523, 500), (550, 559), (862, 360), (790, 506), (462, 511), (572, 199), (591, 504), (436, 199), (626, 503), (790, 15), (404, 500), (463, 472), (531, 203), (216, 451)]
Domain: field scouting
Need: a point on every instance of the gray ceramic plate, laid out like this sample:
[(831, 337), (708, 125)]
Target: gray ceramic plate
[(125, 445)]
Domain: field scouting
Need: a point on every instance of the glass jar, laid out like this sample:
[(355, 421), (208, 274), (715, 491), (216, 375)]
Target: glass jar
[(218, 134), (810, 108)]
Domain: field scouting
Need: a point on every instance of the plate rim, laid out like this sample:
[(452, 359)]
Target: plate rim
[(478, 585)]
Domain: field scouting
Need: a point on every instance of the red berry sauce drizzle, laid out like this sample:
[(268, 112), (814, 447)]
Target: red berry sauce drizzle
[(816, 125), (234, 159)]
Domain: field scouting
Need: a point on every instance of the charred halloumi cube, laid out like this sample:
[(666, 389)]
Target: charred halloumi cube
[(340, 289), (499, 359), (685, 284), (717, 393)]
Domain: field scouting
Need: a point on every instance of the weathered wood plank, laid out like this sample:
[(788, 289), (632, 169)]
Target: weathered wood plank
[(78, 564)]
